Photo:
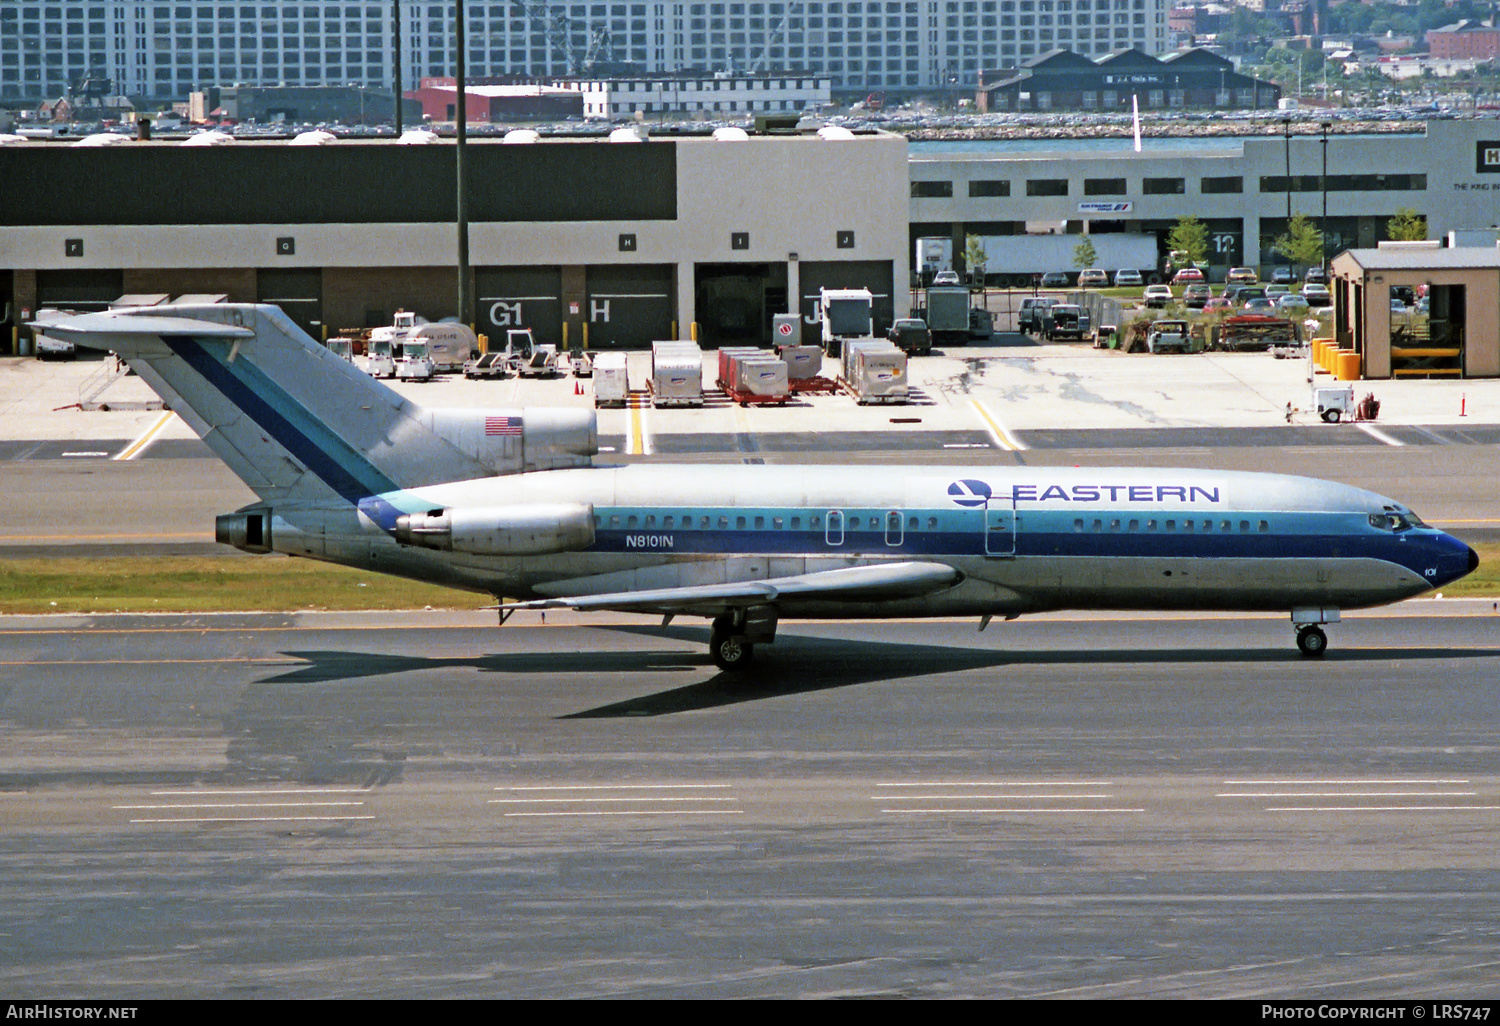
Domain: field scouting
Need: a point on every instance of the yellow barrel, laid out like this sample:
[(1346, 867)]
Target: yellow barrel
[(1319, 345), (1348, 365)]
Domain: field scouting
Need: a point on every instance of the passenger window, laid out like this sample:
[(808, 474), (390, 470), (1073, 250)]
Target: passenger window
[(1135, 525), (815, 522), (760, 522), (853, 523), (1171, 525), (1078, 525), (1264, 526), (723, 522), (632, 521), (598, 522), (739, 523), (1244, 527), (1187, 526), (1114, 525), (703, 523), (1098, 526), (614, 520), (914, 523), (651, 521), (776, 522), (796, 523), (932, 523), (666, 523), (1225, 525), (1151, 525)]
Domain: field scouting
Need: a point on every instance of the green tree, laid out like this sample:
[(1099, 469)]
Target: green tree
[(1189, 235), (975, 257), (1301, 243), (1084, 254), (1407, 226)]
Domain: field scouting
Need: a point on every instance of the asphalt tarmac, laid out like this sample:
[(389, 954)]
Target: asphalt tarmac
[(415, 806), (421, 804)]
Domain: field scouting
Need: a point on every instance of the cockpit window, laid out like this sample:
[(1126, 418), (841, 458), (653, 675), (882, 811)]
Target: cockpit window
[(1395, 521)]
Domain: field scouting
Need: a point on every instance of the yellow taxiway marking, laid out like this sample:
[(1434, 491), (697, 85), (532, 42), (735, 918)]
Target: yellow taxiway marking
[(1003, 438), (138, 446)]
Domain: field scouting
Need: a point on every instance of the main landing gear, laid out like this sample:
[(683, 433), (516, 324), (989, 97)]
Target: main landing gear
[(736, 632), (1312, 641), (1309, 621)]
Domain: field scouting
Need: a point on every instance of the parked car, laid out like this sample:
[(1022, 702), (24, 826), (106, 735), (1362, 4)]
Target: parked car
[(1317, 295), (1196, 296), (1169, 337), (1315, 275), (1067, 321), (1218, 303), (1259, 305), (1128, 276), (1187, 276), (1157, 295), (1273, 290), (1032, 317), (1242, 276), (1249, 292), (911, 335), (1055, 280), (1291, 303), (1093, 278), (946, 278), (1283, 276)]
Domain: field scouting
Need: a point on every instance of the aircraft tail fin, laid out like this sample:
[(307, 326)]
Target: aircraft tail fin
[(297, 422)]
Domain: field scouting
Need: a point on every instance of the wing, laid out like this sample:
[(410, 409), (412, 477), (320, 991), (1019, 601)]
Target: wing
[(848, 584)]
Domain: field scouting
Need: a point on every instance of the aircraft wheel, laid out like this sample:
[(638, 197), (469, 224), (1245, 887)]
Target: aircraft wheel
[(1312, 642), (730, 652)]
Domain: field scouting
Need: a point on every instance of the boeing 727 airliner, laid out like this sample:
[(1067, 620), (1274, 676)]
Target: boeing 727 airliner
[(509, 502)]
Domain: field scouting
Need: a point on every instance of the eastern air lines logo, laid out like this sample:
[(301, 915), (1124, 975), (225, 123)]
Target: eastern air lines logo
[(969, 493)]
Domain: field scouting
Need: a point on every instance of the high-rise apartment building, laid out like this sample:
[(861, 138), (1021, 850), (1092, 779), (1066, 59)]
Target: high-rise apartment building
[(167, 48)]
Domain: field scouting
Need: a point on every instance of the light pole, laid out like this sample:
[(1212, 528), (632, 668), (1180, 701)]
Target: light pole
[(1323, 221), (396, 58), (465, 300), (1286, 136)]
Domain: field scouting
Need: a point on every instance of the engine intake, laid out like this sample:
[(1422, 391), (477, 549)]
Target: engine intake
[(537, 529)]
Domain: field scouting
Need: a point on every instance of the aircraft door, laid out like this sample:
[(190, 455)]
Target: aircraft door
[(1000, 526), (894, 528), (833, 534)]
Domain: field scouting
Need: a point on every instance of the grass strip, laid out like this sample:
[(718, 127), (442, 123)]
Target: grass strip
[(209, 584), (215, 584)]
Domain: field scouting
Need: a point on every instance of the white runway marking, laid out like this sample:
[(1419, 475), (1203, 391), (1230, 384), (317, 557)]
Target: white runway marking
[(645, 800)]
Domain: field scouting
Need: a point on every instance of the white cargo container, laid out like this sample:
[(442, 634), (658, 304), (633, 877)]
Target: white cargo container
[(611, 379), (727, 354), (875, 371), (760, 378), (676, 374), (803, 363)]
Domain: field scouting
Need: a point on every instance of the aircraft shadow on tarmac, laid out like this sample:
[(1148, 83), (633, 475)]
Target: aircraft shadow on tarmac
[(803, 665)]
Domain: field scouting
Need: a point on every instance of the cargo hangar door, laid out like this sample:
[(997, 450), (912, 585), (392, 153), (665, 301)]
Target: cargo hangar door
[(519, 297), (875, 275), (629, 306), (734, 302)]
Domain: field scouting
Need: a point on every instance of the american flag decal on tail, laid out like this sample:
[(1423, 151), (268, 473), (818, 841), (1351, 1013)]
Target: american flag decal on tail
[(502, 426)]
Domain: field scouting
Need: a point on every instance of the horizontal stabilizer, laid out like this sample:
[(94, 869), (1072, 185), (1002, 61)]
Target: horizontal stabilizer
[(114, 325), (878, 583)]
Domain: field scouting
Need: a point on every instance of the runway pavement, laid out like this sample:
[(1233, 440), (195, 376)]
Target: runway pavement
[(398, 806)]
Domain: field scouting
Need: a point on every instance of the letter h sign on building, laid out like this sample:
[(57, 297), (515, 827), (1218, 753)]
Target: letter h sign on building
[(1487, 157)]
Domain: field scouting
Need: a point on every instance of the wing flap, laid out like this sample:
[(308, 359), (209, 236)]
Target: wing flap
[(875, 583)]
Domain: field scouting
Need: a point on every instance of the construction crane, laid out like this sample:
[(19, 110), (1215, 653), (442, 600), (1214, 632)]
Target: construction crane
[(558, 29), (760, 62), (554, 25)]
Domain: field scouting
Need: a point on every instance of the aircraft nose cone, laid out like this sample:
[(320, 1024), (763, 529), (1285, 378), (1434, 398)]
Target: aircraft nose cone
[(1473, 561)]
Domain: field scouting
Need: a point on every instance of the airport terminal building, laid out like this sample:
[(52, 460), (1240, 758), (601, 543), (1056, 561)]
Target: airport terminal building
[(585, 241), (1238, 185)]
